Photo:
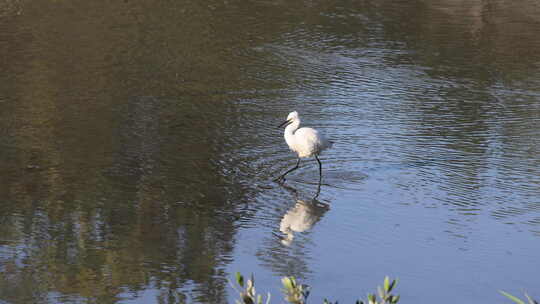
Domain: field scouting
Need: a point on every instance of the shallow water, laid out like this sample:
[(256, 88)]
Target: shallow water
[(139, 144)]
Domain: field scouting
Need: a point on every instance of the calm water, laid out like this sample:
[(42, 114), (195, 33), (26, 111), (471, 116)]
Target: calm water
[(138, 144)]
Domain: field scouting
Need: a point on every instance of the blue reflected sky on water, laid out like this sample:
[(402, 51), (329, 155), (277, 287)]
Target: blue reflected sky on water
[(433, 178)]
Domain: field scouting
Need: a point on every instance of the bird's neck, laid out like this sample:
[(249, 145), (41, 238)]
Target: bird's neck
[(290, 129), (289, 133)]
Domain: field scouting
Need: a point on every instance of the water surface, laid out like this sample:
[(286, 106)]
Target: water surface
[(139, 143)]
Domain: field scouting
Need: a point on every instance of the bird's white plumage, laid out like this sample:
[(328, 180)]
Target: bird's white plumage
[(305, 142)]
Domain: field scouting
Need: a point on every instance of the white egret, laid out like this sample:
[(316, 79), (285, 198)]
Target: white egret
[(306, 142)]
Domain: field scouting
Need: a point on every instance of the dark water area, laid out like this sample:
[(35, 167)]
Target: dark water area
[(138, 145)]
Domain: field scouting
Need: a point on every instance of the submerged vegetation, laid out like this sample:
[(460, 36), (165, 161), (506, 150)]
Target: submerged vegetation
[(296, 293)]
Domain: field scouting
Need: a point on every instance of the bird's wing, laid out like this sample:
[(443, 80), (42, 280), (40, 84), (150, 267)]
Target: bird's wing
[(309, 138)]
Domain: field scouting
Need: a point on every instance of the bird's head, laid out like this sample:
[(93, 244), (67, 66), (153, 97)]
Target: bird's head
[(293, 116)]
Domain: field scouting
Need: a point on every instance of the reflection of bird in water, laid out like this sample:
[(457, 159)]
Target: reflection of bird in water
[(306, 142), (300, 218)]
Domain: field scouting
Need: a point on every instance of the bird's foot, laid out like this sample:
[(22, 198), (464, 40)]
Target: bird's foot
[(280, 179)]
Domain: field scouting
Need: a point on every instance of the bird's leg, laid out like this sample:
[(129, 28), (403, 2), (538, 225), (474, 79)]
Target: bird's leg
[(282, 177), (320, 169), (318, 192)]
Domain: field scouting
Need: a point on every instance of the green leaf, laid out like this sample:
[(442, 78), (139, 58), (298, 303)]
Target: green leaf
[(293, 281), (249, 285), (371, 298), (386, 284), (511, 297), (531, 301), (240, 279), (247, 299), (381, 293), (259, 299), (392, 285), (287, 283), (395, 299)]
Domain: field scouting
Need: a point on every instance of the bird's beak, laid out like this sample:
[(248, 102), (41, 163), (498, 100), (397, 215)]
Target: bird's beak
[(285, 123)]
